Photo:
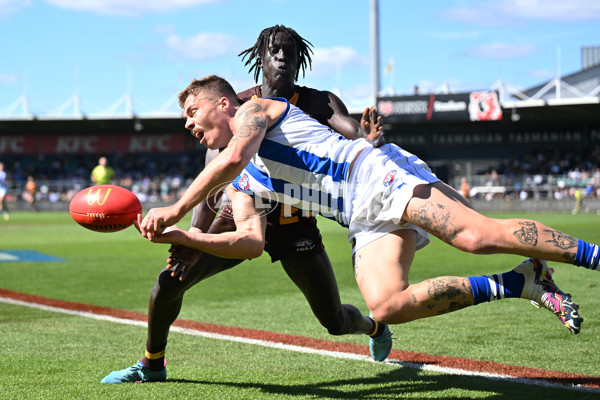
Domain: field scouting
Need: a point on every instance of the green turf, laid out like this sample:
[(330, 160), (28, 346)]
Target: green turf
[(67, 356), (54, 356)]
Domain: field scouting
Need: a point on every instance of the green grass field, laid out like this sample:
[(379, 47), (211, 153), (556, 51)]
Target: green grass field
[(46, 355)]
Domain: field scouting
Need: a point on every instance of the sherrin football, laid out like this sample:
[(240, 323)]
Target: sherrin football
[(105, 208)]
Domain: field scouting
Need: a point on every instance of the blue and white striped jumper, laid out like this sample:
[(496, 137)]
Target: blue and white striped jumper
[(304, 164)]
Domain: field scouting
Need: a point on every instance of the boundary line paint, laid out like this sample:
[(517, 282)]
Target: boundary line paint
[(350, 351)]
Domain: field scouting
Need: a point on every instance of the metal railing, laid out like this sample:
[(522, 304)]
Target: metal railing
[(532, 186), (56, 194)]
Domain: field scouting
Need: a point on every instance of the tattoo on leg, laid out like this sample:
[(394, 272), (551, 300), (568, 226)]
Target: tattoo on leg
[(528, 234), (569, 257), (443, 288), (448, 294), (561, 240), (436, 220)]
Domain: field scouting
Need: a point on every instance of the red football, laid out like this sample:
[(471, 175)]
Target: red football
[(105, 208)]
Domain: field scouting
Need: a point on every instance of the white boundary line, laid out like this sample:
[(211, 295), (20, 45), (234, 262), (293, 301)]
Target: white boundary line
[(302, 349)]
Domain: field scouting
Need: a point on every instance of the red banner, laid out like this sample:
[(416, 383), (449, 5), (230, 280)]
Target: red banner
[(19, 144), (76, 144), (93, 144), (149, 143)]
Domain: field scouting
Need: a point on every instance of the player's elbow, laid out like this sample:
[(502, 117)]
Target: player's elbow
[(236, 161), (254, 249), (255, 253), (247, 246)]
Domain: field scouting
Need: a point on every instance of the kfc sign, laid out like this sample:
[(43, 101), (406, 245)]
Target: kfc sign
[(150, 143), (18, 144), (88, 144), (93, 144)]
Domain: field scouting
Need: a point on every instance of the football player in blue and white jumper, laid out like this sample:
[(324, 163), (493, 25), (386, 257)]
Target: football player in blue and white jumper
[(387, 198)]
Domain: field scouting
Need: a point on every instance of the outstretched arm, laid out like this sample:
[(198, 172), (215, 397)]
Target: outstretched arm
[(369, 127), (247, 241)]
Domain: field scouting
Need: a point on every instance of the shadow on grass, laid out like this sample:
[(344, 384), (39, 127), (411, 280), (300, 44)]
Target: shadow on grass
[(408, 383)]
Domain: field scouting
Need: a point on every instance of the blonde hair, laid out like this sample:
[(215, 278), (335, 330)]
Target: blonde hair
[(213, 86)]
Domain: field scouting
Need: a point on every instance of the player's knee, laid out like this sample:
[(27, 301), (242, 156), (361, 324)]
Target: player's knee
[(167, 285), (384, 307), (381, 312)]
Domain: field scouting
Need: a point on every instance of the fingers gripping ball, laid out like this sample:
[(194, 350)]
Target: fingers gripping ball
[(105, 208)]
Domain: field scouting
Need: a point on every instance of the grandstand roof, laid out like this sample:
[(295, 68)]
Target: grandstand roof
[(582, 86), (570, 98)]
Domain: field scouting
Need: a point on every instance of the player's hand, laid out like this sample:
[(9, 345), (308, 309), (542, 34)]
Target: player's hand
[(182, 260), (372, 124), (171, 234), (157, 219)]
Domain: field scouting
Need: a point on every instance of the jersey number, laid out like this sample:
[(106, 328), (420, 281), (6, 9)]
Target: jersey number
[(290, 218)]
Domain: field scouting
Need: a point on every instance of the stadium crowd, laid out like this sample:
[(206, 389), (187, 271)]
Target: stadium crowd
[(548, 173), (59, 177)]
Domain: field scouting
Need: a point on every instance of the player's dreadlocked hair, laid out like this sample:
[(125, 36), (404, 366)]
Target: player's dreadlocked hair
[(260, 47)]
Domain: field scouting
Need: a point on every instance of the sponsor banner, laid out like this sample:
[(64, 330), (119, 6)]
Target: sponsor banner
[(167, 143), (513, 138), (75, 144), (93, 144), (474, 106), (19, 145)]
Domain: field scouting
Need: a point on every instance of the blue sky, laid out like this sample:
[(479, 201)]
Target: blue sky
[(150, 49)]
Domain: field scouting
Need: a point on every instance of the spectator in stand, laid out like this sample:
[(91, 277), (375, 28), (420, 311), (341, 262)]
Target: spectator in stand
[(589, 190), (102, 173)]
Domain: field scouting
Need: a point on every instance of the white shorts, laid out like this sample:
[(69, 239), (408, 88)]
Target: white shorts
[(380, 186), (2, 191)]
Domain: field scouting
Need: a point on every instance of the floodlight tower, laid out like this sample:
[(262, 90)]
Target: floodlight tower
[(375, 83)]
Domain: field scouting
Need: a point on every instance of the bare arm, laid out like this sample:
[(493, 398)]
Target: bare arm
[(247, 241), (369, 127)]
